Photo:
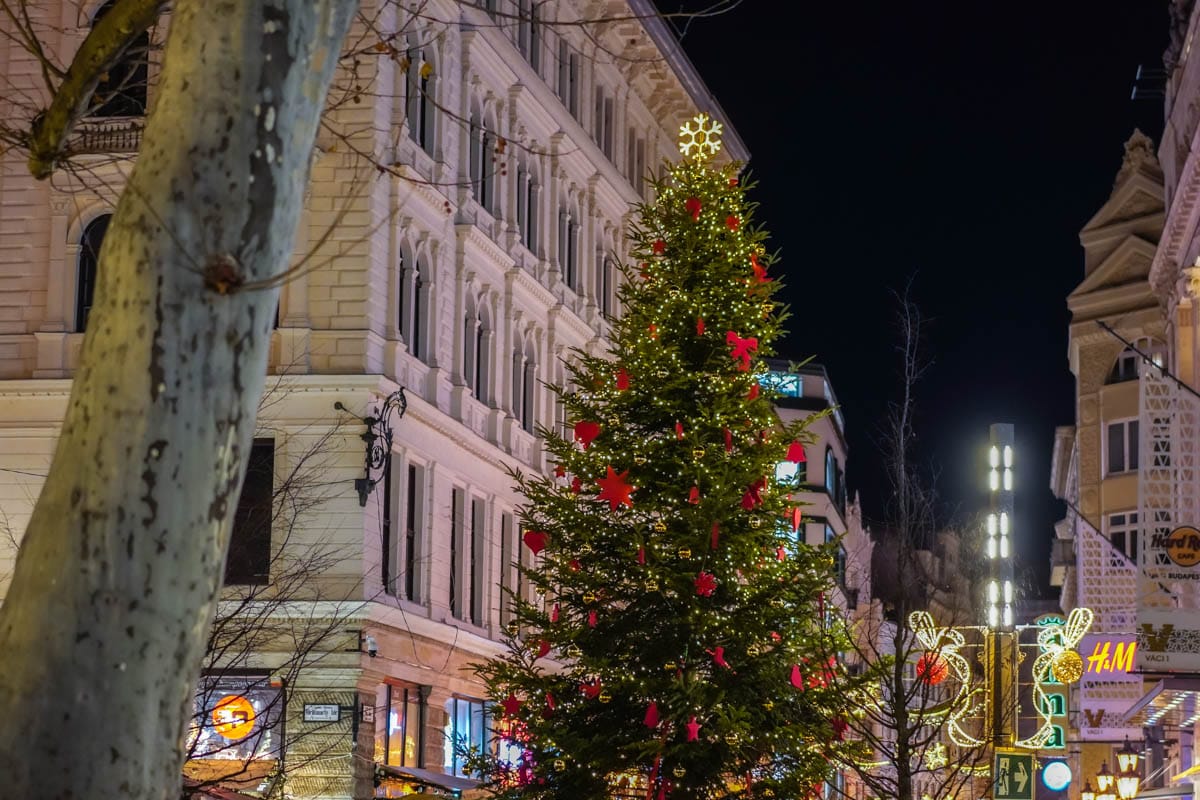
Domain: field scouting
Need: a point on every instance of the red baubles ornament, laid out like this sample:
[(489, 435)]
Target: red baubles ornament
[(641, 555), (699, 326), (651, 718), (706, 584), (752, 395), (678, 430), (694, 496), (718, 656), (660, 247), (592, 619), (795, 453), (622, 379), (797, 678), (576, 485), (586, 431), (715, 535), (536, 540), (591, 690), (931, 668), (732, 222), (555, 612), (760, 272), (729, 438), (692, 204), (615, 489), (543, 648)]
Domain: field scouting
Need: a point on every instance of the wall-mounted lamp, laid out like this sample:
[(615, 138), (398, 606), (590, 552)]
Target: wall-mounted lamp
[(378, 439)]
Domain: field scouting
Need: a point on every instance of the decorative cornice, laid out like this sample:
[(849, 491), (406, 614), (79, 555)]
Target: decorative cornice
[(471, 237)]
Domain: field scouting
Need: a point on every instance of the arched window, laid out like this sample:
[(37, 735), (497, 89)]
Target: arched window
[(122, 90), (831, 472), (89, 261), (528, 193), (412, 306), (420, 86), (524, 383), (568, 244), (480, 164), (1128, 364), (476, 359)]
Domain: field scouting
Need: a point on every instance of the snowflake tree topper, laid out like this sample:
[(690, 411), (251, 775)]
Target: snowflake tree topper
[(700, 137)]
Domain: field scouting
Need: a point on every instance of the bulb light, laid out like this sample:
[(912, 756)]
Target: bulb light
[(993, 480), (994, 456), (1008, 456), (1008, 480)]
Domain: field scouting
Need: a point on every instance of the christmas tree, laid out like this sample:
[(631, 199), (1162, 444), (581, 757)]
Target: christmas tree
[(672, 648)]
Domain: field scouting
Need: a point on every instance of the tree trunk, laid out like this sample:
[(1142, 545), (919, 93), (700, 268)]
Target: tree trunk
[(104, 625)]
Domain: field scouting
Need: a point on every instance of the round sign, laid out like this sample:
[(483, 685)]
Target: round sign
[(233, 717), (1183, 546), (1056, 776)]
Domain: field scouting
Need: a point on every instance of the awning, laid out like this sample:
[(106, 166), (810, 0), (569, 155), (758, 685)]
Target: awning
[(1166, 703), (427, 777), (1183, 792)]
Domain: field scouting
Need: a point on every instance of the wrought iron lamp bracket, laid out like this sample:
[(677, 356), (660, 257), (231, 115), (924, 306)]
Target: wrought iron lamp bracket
[(378, 440)]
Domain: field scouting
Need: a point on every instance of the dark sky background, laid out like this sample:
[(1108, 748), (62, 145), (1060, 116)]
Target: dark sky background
[(964, 144)]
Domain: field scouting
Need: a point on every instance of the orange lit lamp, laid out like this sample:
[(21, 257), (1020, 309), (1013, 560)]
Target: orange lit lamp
[(1129, 777), (1105, 782), (1087, 792)]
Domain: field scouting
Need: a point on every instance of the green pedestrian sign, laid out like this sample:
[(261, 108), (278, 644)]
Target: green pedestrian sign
[(1014, 776)]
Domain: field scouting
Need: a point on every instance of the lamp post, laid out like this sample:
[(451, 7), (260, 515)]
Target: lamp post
[(1104, 783), (1129, 777), (1087, 792), (999, 597)]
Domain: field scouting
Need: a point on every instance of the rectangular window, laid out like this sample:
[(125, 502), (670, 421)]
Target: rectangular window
[(387, 560), (413, 516), (1122, 446), (457, 510), (467, 727), (606, 134), (573, 72), (475, 555), (399, 719), (535, 39), (249, 559), (509, 553), (1123, 531), (639, 167), (564, 71)]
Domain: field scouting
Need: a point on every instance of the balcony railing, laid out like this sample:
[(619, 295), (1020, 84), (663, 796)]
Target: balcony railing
[(113, 136)]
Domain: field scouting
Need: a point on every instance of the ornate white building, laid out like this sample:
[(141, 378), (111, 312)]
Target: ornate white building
[(513, 138)]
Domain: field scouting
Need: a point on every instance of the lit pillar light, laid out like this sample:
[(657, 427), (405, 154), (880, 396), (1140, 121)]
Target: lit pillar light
[(1000, 595)]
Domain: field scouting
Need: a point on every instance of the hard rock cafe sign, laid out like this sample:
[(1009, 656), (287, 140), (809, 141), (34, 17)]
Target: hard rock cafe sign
[(1182, 546)]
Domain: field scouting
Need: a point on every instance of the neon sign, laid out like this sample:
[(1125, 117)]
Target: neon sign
[(1111, 658)]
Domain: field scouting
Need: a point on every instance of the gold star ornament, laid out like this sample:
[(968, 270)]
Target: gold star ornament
[(700, 137)]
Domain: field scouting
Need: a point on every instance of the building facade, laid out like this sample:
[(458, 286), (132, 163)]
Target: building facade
[(460, 237)]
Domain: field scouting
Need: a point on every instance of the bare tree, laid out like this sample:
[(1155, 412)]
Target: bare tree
[(919, 733)]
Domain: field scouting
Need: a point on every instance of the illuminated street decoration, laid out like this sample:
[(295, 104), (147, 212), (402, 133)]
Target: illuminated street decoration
[(945, 642), (1059, 660)]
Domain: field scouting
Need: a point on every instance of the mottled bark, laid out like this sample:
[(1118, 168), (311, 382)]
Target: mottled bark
[(104, 625)]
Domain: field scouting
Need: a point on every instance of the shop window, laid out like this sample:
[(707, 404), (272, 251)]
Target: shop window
[(399, 721), (466, 731)]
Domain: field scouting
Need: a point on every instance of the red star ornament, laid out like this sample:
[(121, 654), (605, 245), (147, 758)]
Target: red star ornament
[(576, 485), (752, 395), (511, 705), (706, 584), (718, 655), (760, 272), (693, 729), (615, 489), (732, 222), (560, 471), (591, 690), (586, 431), (693, 207)]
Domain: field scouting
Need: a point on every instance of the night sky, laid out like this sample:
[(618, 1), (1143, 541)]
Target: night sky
[(963, 145)]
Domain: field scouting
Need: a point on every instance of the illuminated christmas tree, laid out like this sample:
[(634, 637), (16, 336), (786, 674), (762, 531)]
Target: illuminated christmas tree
[(672, 646)]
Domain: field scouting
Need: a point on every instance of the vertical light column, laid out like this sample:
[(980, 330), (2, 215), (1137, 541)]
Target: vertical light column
[(1000, 595)]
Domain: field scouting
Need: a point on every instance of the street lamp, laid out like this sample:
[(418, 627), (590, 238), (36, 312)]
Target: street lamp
[(1104, 783), (1129, 778), (1087, 792)]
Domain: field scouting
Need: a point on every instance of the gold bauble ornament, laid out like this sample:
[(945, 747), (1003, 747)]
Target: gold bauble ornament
[(753, 650), (614, 421), (605, 697), (585, 549), (679, 772), (651, 585), (669, 666), (559, 764), (731, 738), (685, 552), (639, 460), (1067, 666), (573, 651), (589, 598), (660, 527), (755, 521), (698, 453)]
